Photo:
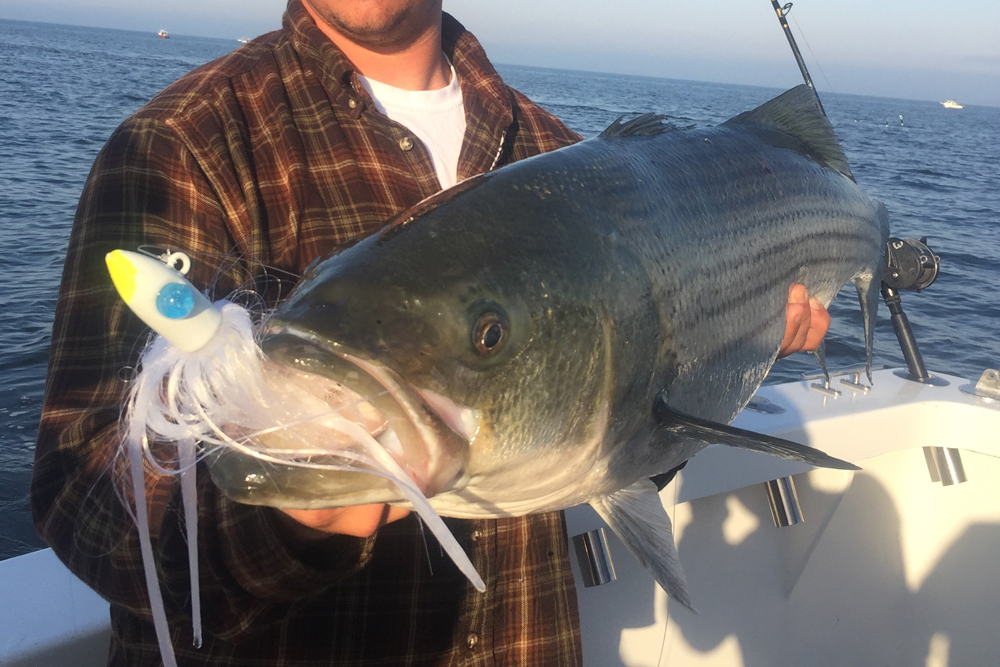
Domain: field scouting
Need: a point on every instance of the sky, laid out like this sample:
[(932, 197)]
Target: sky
[(914, 49)]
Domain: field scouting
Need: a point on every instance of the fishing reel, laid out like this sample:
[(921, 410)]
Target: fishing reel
[(910, 265)]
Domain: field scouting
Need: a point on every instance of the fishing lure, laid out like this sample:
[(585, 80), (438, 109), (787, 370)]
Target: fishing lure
[(204, 382)]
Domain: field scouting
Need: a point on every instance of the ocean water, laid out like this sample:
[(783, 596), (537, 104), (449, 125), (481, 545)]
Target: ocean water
[(63, 90)]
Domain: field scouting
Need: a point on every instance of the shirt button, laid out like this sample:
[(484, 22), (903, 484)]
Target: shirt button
[(476, 534), (353, 103), (472, 640), (406, 143)]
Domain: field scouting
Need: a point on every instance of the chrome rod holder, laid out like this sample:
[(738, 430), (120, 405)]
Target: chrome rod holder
[(825, 387), (854, 383), (784, 502), (594, 558), (945, 465)]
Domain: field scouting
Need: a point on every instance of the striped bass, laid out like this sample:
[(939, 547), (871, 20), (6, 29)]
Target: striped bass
[(560, 330)]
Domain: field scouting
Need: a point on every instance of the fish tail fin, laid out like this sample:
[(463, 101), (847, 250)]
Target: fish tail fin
[(637, 516), (868, 296), (868, 283), (820, 353)]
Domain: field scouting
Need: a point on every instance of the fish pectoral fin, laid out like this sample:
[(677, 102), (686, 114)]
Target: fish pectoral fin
[(637, 516), (693, 428)]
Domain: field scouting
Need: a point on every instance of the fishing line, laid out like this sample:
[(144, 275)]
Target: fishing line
[(187, 460), (806, 40), (666, 621), (427, 550)]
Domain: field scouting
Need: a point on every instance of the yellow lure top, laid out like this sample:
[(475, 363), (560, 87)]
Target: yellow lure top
[(164, 299)]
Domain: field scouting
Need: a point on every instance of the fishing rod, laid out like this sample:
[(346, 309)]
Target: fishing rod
[(909, 264), (782, 13)]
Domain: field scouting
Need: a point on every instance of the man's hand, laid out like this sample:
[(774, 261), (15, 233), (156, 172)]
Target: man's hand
[(359, 521), (806, 322)]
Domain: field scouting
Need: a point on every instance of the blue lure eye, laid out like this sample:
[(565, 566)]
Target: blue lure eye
[(175, 301)]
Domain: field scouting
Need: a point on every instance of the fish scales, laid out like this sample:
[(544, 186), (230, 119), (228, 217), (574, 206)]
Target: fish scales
[(721, 236), (557, 331)]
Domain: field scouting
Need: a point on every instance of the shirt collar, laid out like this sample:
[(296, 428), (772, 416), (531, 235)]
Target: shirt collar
[(475, 72), (322, 58)]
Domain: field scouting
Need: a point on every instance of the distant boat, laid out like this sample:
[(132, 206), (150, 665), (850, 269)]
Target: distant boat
[(163, 34), (243, 40), (952, 104)]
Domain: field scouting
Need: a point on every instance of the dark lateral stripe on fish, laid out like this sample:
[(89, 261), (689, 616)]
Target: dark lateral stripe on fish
[(748, 295), (731, 345), (841, 240)]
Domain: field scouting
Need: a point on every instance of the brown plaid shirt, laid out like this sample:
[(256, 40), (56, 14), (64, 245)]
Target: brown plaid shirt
[(255, 165)]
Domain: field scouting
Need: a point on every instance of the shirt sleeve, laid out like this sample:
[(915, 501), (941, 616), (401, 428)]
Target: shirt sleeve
[(146, 189), (542, 132)]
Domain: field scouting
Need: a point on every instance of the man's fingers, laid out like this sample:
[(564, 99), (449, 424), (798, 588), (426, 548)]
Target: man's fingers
[(819, 324), (797, 316), (806, 322), (796, 328)]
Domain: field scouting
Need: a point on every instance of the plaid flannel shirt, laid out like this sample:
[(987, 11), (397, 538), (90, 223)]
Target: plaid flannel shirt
[(255, 165)]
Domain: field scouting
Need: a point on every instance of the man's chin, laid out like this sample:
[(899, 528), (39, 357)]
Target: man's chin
[(379, 24)]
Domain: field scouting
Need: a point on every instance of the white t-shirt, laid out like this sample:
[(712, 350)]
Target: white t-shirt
[(436, 117)]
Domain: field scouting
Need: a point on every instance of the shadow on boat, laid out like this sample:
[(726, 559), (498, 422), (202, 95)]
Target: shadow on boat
[(860, 581)]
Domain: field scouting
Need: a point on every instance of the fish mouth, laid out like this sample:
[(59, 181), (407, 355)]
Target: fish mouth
[(376, 429)]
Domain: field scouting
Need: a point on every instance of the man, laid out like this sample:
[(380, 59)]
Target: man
[(275, 155)]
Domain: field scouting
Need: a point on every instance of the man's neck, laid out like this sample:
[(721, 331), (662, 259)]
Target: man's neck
[(414, 63)]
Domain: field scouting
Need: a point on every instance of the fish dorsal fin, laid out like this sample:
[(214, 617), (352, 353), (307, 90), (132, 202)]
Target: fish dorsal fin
[(646, 125), (797, 114)]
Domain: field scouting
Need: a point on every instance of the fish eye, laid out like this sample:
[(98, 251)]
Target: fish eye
[(489, 333)]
